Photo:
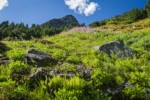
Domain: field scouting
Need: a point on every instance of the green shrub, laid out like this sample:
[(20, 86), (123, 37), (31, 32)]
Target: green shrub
[(136, 92), (63, 94), (59, 54), (16, 54), (19, 67), (74, 59), (126, 22), (112, 22), (56, 83), (10, 91), (40, 92), (147, 24)]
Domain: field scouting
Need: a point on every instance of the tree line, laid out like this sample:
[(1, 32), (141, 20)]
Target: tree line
[(21, 31)]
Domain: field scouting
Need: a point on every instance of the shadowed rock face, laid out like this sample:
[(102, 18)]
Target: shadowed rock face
[(3, 48), (4, 60), (38, 58), (116, 47), (62, 22)]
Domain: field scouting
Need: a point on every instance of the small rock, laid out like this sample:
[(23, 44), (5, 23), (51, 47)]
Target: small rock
[(115, 90), (37, 74), (128, 85), (84, 72)]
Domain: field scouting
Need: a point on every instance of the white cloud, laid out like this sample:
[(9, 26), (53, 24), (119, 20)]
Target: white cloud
[(82, 6), (3, 3)]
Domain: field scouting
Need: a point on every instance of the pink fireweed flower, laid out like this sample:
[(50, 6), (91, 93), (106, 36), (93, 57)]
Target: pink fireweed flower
[(81, 29)]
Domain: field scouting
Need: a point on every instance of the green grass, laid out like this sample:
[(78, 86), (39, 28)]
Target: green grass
[(126, 26), (76, 50)]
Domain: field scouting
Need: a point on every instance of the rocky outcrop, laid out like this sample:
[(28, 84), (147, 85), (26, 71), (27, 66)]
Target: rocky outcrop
[(116, 47), (62, 22), (42, 73), (38, 58)]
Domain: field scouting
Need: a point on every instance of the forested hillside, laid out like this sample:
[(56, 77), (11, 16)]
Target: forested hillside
[(126, 18), (12, 31)]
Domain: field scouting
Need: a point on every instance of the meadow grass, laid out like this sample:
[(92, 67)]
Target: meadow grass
[(77, 49)]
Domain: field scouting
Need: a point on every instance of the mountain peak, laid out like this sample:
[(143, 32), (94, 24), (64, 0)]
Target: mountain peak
[(64, 21)]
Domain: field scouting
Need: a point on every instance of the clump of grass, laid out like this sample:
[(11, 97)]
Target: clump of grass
[(44, 41)]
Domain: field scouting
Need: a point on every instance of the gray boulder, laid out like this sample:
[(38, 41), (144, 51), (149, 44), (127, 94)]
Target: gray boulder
[(116, 47), (38, 58)]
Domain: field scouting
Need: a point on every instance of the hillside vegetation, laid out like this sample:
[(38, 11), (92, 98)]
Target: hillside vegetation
[(108, 62), (84, 73), (127, 28), (127, 17), (21, 31)]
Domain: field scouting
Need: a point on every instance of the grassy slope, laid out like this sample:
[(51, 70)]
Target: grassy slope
[(76, 49), (125, 28)]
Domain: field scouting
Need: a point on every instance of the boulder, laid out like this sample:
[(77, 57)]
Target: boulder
[(116, 47), (38, 58)]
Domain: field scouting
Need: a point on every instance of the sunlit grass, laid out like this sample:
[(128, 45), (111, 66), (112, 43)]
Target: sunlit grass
[(77, 49)]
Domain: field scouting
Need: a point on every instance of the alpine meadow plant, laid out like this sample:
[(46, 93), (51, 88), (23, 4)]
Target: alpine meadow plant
[(95, 74), (81, 29)]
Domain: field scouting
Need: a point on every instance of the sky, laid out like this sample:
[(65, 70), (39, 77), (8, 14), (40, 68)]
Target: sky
[(86, 11)]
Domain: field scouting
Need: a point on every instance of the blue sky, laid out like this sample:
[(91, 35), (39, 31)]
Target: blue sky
[(40, 11)]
